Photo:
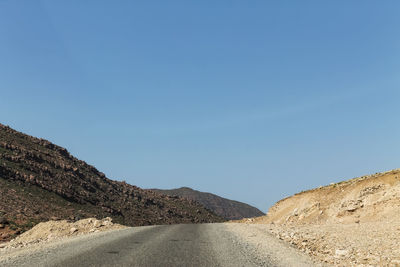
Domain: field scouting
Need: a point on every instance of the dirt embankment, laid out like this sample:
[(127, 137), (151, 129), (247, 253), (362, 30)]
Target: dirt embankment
[(56, 230), (355, 222), (365, 199)]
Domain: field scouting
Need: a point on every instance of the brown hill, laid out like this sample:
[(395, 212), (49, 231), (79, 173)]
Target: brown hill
[(41, 181), (226, 208)]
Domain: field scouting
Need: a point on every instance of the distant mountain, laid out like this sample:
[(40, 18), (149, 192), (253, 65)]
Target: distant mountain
[(41, 181), (226, 208)]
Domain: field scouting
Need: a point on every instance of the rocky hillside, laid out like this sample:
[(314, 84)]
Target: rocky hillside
[(226, 208), (41, 181)]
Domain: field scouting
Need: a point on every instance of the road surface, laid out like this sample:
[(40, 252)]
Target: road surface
[(172, 245)]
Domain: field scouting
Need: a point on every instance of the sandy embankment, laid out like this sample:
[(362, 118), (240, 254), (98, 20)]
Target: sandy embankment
[(356, 222), (57, 230)]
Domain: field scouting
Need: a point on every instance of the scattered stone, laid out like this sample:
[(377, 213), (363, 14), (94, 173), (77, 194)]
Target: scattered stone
[(296, 212), (106, 221), (341, 252), (97, 224)]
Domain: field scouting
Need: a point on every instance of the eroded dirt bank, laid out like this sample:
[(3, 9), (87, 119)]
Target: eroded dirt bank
[(355, 222)]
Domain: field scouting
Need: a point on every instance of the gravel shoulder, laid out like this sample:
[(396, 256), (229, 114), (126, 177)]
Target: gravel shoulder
[(258, 238), (356, 244)]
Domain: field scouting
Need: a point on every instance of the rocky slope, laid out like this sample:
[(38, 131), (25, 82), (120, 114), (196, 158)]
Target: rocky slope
[(226, 208), (351, 223), (40, 181)]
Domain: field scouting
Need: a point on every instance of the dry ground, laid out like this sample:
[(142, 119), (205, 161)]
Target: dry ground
[(351, 223), (363, 244)]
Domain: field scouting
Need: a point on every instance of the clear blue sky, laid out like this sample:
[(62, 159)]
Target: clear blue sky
[(251, 100)]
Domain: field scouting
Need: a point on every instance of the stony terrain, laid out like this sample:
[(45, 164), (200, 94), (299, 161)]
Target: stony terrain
[(353, 244), (355, 222), (259, 239), (226, 208), (40, 181)]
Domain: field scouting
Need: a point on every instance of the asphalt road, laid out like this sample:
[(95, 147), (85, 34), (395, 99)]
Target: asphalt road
[(173, 245)]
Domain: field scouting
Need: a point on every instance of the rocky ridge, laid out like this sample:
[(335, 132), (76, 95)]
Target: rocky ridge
[(226, 208)]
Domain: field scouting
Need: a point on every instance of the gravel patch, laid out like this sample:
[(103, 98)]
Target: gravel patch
[(267, 248), (356, 244)]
